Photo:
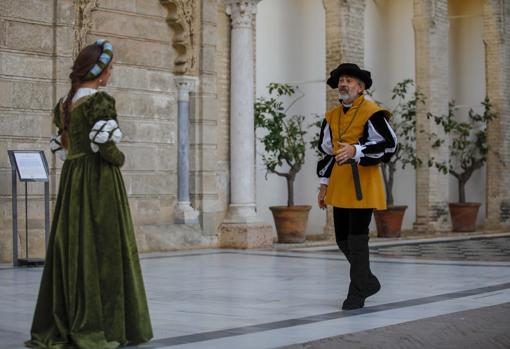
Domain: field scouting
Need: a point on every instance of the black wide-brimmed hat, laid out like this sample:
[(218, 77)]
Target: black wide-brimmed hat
[(349, 69)]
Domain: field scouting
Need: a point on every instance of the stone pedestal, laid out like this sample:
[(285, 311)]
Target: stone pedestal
[(185, 214)]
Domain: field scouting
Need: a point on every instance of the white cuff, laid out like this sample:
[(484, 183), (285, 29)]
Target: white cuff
[(62, 154), (57, 148), (55, 143), (94, 147), (359, 152), (324, 180)]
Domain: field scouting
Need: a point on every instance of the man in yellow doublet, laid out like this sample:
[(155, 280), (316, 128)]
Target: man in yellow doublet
[(340, 191), (355, 138)]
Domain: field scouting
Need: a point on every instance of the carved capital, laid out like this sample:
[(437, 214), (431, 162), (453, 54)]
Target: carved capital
[(181, 18), (185, 85), (241, 12)]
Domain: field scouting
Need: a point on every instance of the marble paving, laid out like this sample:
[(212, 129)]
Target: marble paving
[(268, 298)]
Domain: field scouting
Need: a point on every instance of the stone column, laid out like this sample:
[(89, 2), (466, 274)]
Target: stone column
[(430, 24), (345, 32), (345, 28), (184, 213), (242, 228), (496, 31)]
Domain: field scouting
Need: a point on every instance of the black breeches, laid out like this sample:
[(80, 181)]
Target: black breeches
[(351, 221)]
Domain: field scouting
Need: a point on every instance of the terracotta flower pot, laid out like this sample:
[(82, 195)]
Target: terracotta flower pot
[(290, 222), (389, 221), (464, 216)]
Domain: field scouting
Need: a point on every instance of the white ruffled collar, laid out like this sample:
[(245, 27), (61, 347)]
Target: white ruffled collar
[(82, 92)]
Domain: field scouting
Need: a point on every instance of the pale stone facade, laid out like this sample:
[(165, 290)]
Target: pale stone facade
[(156, 41)]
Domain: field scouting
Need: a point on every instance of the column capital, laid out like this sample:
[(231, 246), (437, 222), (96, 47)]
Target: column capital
[(185, 85), (241, 12)]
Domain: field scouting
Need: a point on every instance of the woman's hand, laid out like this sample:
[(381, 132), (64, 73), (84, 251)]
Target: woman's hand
[(346, 152), (322, 194)]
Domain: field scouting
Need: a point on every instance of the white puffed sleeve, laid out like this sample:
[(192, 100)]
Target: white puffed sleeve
[(104, 131)]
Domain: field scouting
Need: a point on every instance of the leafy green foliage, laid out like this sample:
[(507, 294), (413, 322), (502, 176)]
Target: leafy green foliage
[(403, 123), (314, 142), (283, 143), (468, 143)]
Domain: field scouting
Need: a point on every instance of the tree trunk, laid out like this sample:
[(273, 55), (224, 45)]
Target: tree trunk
[(290, 190), (462, 190), (388, 173), (391, 175)]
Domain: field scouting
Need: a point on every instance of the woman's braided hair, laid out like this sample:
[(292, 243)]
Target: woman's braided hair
[(85, 61)]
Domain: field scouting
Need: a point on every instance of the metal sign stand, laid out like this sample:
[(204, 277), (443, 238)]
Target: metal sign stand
[(31, 166)]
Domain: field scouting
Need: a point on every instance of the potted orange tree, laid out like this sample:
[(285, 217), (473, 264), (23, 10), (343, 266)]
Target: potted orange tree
[(403, 122), (284, 155), (468, 152)]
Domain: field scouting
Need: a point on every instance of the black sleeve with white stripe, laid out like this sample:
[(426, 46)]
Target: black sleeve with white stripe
[(379, 142), (325, 165), (325, 145)]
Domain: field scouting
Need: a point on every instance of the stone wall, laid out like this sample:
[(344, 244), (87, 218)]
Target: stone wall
[(144, 89), (37, 41)]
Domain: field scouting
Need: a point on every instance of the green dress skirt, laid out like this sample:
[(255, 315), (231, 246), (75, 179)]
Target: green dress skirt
[(92, 293)]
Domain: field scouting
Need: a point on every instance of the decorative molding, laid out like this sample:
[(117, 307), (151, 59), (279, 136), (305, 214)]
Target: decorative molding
[(241, 12), (82, 23), (181, 18)]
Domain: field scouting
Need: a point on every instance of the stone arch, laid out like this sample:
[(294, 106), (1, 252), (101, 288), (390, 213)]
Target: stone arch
[(181, 18)]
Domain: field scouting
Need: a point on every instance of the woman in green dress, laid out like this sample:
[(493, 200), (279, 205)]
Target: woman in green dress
[(92, 294)]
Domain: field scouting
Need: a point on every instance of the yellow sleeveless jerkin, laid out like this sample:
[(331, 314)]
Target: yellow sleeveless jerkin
[(348, 128)]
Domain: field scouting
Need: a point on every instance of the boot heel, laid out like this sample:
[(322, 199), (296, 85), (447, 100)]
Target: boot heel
[(373, 286)]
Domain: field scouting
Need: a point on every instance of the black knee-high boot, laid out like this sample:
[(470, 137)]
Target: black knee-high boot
[(363, 283), (344, 247), (373, 283)]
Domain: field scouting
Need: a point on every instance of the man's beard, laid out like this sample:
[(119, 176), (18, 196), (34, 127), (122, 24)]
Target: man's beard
[(344, 95)]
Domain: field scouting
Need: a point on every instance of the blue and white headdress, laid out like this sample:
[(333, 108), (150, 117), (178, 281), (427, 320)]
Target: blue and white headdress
[(103, 61)]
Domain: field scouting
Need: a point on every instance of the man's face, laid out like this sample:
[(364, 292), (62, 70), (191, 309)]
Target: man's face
[(349, 88)]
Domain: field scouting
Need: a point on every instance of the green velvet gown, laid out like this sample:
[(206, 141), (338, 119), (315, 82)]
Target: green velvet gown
[(92, 294)]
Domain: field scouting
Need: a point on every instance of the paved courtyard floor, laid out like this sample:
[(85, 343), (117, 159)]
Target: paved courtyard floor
[(290, 297)]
